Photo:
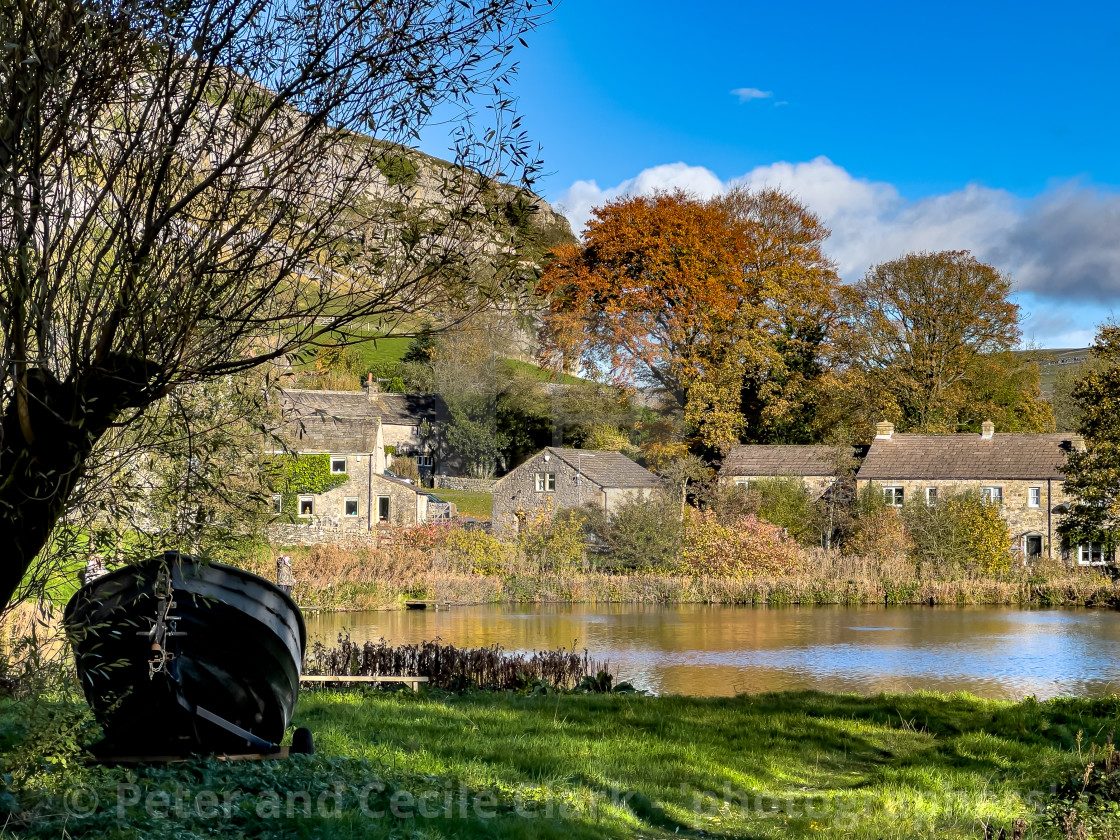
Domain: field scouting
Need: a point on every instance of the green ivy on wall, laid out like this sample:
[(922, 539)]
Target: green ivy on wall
[(297, 475)]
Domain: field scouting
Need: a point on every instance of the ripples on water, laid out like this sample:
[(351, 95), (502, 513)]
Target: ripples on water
[(713, 650)]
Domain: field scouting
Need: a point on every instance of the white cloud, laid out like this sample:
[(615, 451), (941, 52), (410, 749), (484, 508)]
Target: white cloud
[(581, 196), (747, 94), (1060, 248)]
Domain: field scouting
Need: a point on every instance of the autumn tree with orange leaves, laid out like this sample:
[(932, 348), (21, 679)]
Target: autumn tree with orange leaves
[(722, 303)]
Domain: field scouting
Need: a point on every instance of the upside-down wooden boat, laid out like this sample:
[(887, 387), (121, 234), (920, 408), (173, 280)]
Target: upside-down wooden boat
[(177, 656)]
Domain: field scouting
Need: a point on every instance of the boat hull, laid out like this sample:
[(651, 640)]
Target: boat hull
[(234, 654)]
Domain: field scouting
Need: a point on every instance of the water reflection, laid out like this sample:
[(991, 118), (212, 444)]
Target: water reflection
[(715, 650)]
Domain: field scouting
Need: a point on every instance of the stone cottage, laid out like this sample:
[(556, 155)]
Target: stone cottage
[(819, 467), (1019, 472), (344, 428), (568, 478), (405, 418)]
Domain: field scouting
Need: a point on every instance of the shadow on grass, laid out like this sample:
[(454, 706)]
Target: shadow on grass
[(651, 757)]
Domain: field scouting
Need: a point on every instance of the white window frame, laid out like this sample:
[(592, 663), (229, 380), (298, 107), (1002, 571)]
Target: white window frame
[(546, 482), (1034, 497), (931, 496), (894, 495), (357, 507), (277, 504), (1086, 550), (743, 482), (299, 506), (423, 460), (992, 495), (336, 459)]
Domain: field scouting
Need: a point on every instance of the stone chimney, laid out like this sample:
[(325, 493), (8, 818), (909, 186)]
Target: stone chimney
[(372, 389), (987, 430), (884, 430), (1077, 443)]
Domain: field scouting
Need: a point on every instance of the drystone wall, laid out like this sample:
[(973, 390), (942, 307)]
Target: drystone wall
[(451, 482)]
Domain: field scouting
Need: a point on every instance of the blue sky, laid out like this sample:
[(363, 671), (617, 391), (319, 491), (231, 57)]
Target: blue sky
[(988, 126)]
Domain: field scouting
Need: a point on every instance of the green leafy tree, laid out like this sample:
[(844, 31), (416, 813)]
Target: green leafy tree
[(684, 474), (925, 342), (472, 435), (1093, 476)]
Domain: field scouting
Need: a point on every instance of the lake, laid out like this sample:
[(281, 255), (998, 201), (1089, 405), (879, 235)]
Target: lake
[(693, 649)]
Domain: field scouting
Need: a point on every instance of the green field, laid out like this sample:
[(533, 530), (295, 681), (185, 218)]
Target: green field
[(468, 502), (541, 374), (506, 765)]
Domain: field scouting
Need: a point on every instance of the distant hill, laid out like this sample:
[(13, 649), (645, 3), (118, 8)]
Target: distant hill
[(1052, 361)]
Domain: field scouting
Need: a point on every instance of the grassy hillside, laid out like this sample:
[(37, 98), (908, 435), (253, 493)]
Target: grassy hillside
[(1052, 362)]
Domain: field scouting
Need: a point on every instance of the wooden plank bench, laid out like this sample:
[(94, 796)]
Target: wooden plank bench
[(414, 682), (418, 604)]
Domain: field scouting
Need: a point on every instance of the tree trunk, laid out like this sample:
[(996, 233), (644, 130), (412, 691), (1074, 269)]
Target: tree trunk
[(44, 453)]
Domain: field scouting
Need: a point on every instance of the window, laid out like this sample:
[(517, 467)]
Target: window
[(306, 506), (742, 482), (338, 465), (931, 495), (992, 495), (350, 506), (893, 496), (277, 504), (1034, 497), (382, 508), (423, 460), (1090, 554), (546, 482)]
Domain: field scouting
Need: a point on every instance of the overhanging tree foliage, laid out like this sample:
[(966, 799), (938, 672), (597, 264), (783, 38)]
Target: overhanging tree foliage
[(191, 189)]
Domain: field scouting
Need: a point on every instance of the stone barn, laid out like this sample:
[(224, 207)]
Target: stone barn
[(569, 478)]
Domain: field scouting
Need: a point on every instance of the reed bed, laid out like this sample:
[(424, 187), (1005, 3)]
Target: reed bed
[(454, 669), (355, 578)]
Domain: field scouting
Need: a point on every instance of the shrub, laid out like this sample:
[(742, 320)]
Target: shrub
[(476, 552), (747, 547), (877, 529), (961, 533), (786, 502), (640, 535), (455, 669), (553, 543)]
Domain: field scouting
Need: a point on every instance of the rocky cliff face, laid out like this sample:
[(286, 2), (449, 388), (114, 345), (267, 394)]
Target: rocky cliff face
[(416, 204)]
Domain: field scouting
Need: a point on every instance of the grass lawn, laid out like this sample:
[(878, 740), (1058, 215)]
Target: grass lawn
[(469, 502), (612, 766)]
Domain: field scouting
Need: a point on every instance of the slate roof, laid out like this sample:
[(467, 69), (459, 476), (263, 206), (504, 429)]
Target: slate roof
[(346, 421), (968, 456), (757, 460), (397, 409), (606, 469), (326, 403), (328, 421), (410, 409)]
